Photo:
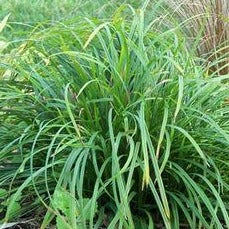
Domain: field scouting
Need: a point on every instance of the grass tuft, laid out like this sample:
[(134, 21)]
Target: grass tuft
[(108, 123)]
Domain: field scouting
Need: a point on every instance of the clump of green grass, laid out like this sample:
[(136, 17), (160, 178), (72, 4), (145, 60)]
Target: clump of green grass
[(107, 123)]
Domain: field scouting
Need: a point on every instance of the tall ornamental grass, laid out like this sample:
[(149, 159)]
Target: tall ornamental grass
[(206, 23)]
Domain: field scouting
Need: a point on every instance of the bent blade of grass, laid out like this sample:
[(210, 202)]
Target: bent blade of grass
[(4, 22), (133, 165), (194, 143), (162, 131), (150, 224), (77, 129), (49, 151), (158, 177), (94, 33), (180, 97), (218, 198), (167, 152), (146, 173)]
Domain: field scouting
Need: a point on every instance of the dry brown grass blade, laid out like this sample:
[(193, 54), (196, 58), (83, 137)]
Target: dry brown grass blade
[(213, 17)]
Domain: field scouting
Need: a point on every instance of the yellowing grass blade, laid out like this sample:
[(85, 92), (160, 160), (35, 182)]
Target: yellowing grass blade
[(94, 33), (3, 22)]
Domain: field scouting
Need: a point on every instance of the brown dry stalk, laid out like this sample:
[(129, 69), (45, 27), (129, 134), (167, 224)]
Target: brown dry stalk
[(211, 16)]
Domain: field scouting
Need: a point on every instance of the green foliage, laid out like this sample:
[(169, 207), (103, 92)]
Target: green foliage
[(62, 201), (6, 201), (3, 194), (13, 207), (112, 123)]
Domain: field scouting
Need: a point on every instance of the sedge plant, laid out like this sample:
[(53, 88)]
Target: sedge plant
[(111, 124)]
